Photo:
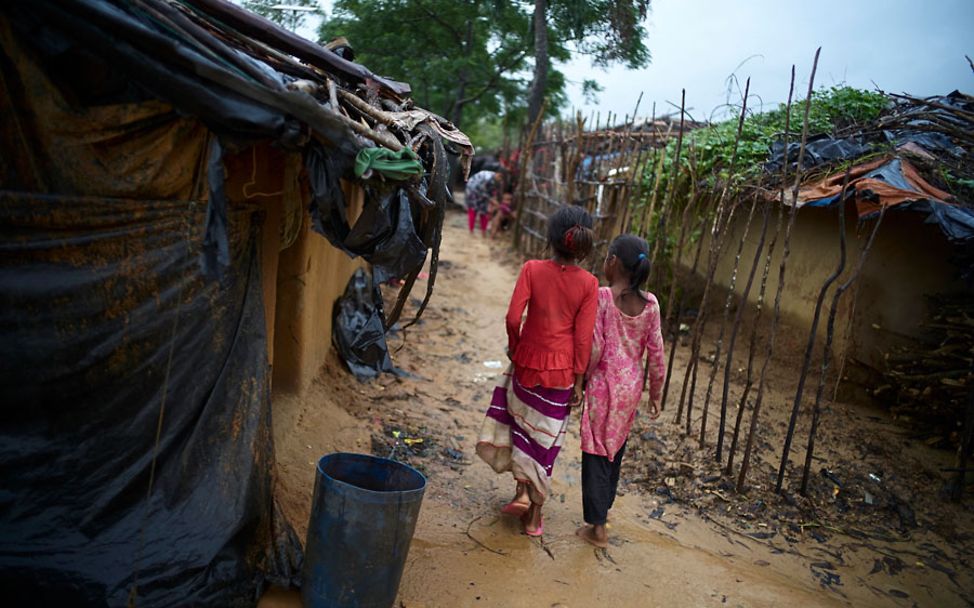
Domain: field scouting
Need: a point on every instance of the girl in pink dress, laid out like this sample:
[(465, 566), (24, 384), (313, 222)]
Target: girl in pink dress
[(627, 327)]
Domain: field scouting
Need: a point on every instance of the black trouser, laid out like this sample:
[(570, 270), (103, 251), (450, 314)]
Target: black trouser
[(600, 478)]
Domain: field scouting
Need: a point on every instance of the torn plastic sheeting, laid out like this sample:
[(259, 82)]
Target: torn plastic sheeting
[(329, 216), (818, 150), (104, 318), (400, 251), (931, 141), (890, 184), (153, 60), (384, 234), (880, 182), (215, 254), (957, 223), (359, 328)]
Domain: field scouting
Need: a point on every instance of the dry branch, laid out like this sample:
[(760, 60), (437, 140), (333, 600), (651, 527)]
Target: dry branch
[(755, 415)]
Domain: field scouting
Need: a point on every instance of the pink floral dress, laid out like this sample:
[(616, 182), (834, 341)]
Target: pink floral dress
[(615, 372)]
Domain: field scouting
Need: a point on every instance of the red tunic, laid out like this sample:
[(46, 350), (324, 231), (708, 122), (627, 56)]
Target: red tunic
[(555, 342)]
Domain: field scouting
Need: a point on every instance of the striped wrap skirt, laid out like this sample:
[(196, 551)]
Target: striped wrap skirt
[(523, 432)]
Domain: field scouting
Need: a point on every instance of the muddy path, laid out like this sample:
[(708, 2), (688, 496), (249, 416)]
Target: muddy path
[(708, 549)]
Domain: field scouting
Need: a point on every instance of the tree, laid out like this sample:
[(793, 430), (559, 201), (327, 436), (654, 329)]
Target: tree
[(610, 31), (462, 57), (286, 17), (470, 60)]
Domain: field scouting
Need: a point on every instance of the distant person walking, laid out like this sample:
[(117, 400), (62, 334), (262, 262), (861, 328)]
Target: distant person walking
[(627, 326), (483, 187), (525, 424)]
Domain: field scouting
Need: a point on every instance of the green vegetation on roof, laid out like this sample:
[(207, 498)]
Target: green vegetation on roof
[(712, 147)]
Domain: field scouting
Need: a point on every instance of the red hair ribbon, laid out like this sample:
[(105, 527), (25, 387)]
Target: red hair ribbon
[(570, 237)]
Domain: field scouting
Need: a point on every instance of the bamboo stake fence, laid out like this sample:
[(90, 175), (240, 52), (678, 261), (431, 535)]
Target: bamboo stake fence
[(615, 170)]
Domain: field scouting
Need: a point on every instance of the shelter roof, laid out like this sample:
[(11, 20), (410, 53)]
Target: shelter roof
[(244, 76)]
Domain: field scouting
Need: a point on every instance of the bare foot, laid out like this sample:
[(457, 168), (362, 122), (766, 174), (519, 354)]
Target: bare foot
[(588, 534), (516, 508), (532, 520)]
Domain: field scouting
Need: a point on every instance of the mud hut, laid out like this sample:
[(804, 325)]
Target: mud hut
[(911, 172), (185, 190)]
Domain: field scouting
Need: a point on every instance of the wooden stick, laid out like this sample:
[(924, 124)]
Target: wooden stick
[(527, 153), (759, 306), (671, 306), (755, 415), (726, 317), (274, 35), (830, 333), (812, 334), (676, 335), (722, 222), (670, 186)]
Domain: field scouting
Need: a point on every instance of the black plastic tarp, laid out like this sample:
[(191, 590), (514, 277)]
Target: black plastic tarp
[(121, 366), (358, 330), (384, 234), (819, 149)]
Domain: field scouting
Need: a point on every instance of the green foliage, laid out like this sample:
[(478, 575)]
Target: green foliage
[(288, 19), (462, 58), (712, 146), (591, 90), (609, 31), (470, 60), (960, 187), (486, 134)]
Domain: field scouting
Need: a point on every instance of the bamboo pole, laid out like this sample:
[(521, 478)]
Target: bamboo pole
[(670, 186), (527, 154), (812, 334), (723, 328), (717, 234), (668, 322), (759, 305), (755, 415), (660, 236), (717, 239), (735, 327), (829, 333), (676, 335)]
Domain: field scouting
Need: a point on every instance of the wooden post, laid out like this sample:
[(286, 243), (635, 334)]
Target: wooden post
[(755, 415)]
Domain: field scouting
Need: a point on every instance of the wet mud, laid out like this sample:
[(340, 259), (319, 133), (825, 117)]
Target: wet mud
[(678, 537)]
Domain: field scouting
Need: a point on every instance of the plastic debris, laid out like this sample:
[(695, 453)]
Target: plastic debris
[(359, 329)]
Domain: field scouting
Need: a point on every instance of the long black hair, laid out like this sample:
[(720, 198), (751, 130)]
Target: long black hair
[(633, 254), (570, 232)]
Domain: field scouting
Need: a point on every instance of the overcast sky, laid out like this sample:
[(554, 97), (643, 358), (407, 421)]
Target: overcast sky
[(900, 45)]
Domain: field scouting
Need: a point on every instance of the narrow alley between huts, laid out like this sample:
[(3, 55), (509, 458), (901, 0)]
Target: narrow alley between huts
[(680, 535), (542, 304)]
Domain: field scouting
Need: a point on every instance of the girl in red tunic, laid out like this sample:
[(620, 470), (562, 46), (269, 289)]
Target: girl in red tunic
[(525, 424)]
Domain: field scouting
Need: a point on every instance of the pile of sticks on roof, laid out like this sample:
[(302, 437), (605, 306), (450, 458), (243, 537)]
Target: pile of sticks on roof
[(375, 109), (943, 116)]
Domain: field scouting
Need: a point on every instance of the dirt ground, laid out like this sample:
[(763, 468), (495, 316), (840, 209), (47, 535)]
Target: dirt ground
[(680, 535)]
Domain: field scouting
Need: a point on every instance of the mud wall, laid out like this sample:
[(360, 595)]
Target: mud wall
[(909, 261), (301, 273), (311, 275)]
